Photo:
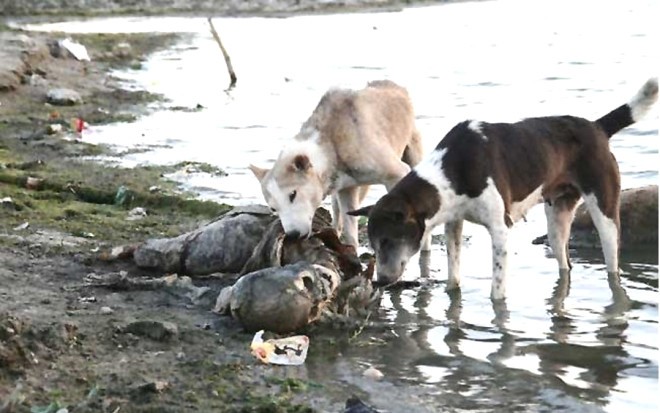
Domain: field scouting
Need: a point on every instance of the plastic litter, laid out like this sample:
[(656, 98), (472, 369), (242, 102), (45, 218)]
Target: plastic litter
[(290, 351), (76, 49)]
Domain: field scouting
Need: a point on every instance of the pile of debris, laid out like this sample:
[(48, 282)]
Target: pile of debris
[(283, 284)]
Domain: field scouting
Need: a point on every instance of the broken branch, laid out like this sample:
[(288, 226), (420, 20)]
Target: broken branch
[(230, 68)]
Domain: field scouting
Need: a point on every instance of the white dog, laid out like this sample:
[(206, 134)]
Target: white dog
[(353, 139)]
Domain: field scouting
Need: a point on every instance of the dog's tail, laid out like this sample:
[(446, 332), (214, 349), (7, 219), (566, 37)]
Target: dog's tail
[(631, 112)]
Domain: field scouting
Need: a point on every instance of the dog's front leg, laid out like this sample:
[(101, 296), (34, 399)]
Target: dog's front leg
[(337, 222), (498, 235), (349, 200), (453, 234)]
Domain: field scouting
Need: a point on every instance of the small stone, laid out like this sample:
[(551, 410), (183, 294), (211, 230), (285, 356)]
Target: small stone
[(373, 373), (122, 50), (106, 310), (63, 97), (156, 386), (155, 330), (136, 214), (33, 183), (54, 128)]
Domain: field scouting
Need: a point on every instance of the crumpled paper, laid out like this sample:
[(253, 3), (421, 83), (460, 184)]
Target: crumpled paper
[(289, 351)]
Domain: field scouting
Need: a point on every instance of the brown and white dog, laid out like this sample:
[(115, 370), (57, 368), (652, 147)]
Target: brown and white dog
[(492, 173), (353, 139)]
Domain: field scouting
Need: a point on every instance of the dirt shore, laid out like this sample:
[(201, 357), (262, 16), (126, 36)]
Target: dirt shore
[(65, 344)]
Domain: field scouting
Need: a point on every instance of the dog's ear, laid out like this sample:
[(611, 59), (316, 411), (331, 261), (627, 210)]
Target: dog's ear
[(398, 211), (301, 163), (362, 212), (258, 172)]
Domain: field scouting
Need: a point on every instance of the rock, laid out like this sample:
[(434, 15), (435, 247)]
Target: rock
[(136, 214), (355, 405), (373, 373), (106, 310), (156, 386), (122, 50), (18, 55), (33, 183), (63, 97), (155, 330)]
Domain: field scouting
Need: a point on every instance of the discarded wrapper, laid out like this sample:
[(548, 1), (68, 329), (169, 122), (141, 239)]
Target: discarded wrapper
[(290, 351), (76, 49)]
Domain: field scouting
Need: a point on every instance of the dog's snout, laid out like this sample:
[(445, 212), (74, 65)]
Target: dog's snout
[(294, 234), (386, 279)]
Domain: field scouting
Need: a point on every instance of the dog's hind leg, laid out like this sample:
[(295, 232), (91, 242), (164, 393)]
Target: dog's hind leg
[(414, 151), (454, 234), (559, 213), (607, 224)]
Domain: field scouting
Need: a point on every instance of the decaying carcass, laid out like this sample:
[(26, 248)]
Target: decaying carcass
[(285, 283)]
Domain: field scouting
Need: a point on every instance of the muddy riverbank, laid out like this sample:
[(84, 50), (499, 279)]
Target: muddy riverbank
[(214, 7)]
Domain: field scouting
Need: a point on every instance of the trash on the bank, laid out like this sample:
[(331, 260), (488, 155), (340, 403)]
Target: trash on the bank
[(79, 125), (118, 253), (122, 195), (289, 351), (136, 214), (21, 227), (32, 182), (54, 128), (8, 201), (76, 49)]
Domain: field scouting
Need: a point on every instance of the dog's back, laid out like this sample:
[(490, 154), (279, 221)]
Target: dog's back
[(379, 117)]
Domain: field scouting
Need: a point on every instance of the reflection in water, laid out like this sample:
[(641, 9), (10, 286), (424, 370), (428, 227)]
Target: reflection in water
[(598, 364), (588, 371)]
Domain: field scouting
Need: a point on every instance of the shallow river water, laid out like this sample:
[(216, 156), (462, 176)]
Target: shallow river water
[(580, 345)]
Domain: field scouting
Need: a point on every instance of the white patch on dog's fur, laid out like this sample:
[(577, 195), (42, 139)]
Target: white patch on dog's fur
[(607, 231), (644, 99), (519, 209), (475, 126), (487, 209), (430, 170)]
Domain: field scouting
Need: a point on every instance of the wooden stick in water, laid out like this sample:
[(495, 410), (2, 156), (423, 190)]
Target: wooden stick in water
[(230, 69)]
